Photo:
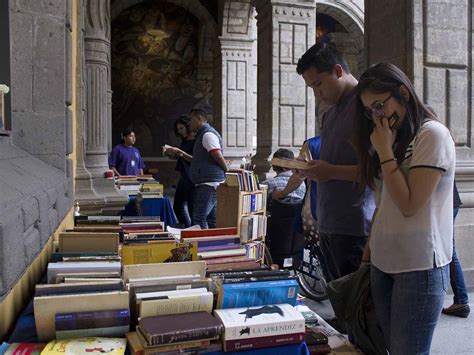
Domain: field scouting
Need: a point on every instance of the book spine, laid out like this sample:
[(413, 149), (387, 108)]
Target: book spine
[(177, 347), (255, 279), (248, 294), (93, 319), (277, 327), (180, 336), (263, 342)]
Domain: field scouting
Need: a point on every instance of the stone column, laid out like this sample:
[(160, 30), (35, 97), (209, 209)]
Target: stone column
[(285, 107), (437, 55), (234, 101), (94, 193)]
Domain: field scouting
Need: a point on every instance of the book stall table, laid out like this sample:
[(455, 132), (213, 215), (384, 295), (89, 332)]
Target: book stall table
[(160, 206)]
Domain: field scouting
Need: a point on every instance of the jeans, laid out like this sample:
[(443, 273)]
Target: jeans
[(182, 197), (408, 305), (457, 277), (342, 254), (204, 206)]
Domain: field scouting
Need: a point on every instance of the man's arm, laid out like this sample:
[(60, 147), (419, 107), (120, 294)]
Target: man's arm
[(211, 143), (217, 155), (293, 183), (322, 171)]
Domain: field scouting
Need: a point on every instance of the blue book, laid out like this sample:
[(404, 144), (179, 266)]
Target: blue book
[(249, 294)]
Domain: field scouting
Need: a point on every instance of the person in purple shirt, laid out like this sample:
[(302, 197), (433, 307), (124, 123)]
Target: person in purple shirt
[(125, 159)]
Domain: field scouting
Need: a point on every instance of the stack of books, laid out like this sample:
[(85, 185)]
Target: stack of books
[(129, 184), (221, 248), (171, 334), (84, 297), (261, 327), (171, 288), (151, 189)]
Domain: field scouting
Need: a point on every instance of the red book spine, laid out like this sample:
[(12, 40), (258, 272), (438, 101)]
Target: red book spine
[(208, 232), (263, 342)]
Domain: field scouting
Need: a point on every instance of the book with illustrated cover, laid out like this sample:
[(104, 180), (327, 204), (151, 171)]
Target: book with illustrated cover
[(248, 294), (257, 322), (158, 252), (24, 349), (177, 328), (92, 345)]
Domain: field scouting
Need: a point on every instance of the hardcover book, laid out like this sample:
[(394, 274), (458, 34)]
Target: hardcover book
[(179, 327), (46, 308), (110, 323), (248, 294), (262, 342), (256, 322)]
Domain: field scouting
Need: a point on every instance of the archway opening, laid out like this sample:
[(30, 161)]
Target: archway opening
[(155, 50)]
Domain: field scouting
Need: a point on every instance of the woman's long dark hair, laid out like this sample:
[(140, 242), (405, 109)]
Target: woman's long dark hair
[(386, 78), (185, 120)]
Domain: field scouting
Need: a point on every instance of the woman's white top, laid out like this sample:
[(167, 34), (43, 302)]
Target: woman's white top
[(424, 240)]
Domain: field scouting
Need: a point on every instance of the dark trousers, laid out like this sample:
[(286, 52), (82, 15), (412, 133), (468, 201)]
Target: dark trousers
[(204, 206), (342, 253), (183, 198), (457, 277)]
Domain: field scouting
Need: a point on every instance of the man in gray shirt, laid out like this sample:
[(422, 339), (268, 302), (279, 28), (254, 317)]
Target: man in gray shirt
[(344, 209)]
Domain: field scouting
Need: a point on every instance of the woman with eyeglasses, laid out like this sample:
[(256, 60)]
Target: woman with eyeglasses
[(408, 158)]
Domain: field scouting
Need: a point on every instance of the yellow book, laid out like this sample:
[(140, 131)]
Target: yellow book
[(93, 345), (158, 253)]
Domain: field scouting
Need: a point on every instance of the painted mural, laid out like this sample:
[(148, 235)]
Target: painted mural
[(154, 79)]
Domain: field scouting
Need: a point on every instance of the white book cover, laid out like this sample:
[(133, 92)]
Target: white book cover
[(260, 321)]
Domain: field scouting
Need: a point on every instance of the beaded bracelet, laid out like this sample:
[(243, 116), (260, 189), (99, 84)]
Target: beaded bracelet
[(388, 160)]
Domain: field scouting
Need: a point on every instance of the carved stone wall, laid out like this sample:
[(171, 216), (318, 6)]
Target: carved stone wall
[(235, 103), (285, 107), (36, 175)]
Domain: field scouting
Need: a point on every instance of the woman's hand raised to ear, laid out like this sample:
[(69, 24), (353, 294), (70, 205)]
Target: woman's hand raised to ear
[(382, 138)]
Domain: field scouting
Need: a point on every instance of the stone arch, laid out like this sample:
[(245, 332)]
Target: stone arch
[(207, 37), (349, 14)]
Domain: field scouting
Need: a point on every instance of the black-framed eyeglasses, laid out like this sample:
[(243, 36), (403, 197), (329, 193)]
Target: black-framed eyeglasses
[(376, 110)]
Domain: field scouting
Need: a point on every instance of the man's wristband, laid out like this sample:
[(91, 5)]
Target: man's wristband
[(388, 160), (365, 261)]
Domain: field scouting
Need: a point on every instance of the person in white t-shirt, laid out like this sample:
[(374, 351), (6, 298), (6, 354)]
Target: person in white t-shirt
[(207, 169), (408, 158)]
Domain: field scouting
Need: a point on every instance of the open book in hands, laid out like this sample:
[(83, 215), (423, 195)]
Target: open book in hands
[(170, 151), (293, 164)]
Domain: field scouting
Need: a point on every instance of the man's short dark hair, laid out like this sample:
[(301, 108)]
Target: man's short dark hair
[(198, 112), (323, 57), (282, 153)]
